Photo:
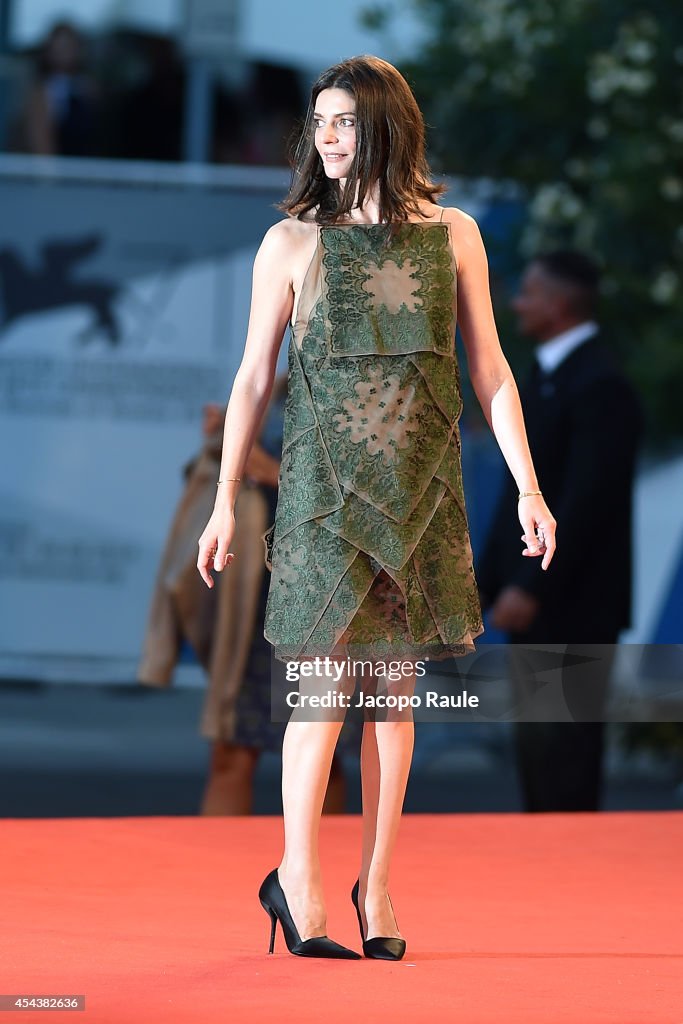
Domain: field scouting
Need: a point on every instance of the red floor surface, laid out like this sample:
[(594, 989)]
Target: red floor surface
[(542, 918)]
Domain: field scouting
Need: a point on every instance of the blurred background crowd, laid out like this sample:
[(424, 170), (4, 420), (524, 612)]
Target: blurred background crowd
[(123, 94), (579, 107), (559, 126)]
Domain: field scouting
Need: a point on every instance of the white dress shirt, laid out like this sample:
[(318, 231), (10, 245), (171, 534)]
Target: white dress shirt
[(551, 353)]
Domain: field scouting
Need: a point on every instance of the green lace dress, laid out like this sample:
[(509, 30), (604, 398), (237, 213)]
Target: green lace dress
[(369, 550)]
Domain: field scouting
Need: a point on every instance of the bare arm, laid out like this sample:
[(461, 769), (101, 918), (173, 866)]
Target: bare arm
[(493, 382), (271, 308)]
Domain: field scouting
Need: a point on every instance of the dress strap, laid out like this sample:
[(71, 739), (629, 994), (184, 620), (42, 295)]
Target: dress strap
[(442, 213)]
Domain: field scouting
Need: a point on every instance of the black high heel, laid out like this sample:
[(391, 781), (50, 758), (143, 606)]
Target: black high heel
[(274, 903), (379, 947)]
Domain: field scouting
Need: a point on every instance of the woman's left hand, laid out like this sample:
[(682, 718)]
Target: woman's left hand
[(539, 528)]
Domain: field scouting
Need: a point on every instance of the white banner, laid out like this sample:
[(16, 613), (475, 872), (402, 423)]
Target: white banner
[(124, 300)]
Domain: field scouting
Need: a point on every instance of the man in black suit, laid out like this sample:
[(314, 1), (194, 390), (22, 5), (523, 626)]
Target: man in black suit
[(583, 423)]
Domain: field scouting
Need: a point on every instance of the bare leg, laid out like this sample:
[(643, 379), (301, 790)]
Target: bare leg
[(386, 755), (229, 787), (307, 753)]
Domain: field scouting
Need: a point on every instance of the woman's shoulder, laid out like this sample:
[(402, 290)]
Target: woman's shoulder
[(289, 234), (460, 222), (466, 240), (287, 246)]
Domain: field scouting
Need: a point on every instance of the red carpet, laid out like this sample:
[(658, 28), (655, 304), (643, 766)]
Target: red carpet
[(509, 918)]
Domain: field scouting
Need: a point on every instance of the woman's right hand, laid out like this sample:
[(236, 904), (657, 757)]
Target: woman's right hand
[(214, 544)]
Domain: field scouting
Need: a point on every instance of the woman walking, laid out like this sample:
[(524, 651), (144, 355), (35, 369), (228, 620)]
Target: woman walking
[(369, 551)]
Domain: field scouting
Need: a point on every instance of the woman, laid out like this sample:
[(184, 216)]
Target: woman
[(237, 716), (370, 549), (225, 628)]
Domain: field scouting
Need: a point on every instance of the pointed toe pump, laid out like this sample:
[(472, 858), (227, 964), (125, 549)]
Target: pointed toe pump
[(274, 903), (380, 947)]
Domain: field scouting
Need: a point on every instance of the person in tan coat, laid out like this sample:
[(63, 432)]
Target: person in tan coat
[(225, 627)]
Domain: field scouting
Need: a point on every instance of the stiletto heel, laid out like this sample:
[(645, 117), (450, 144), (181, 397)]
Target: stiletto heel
[(273, 901), (273, 923), (379, 947)]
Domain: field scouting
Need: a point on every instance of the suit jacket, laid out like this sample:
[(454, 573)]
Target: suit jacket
[(583, 422)]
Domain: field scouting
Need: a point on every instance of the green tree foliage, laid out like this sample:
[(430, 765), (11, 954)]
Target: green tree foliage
[(581, 103)]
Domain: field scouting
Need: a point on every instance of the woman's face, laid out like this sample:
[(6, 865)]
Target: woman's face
[(335, 131)]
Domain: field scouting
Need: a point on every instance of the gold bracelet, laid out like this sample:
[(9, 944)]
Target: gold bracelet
[(525, 494), (228, 478)]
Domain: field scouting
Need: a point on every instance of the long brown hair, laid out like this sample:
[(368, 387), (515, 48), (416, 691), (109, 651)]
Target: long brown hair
[(390, 148)]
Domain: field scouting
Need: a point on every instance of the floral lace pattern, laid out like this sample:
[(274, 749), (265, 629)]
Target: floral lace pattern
[(382, 414), (370, 549), (409, 311)]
